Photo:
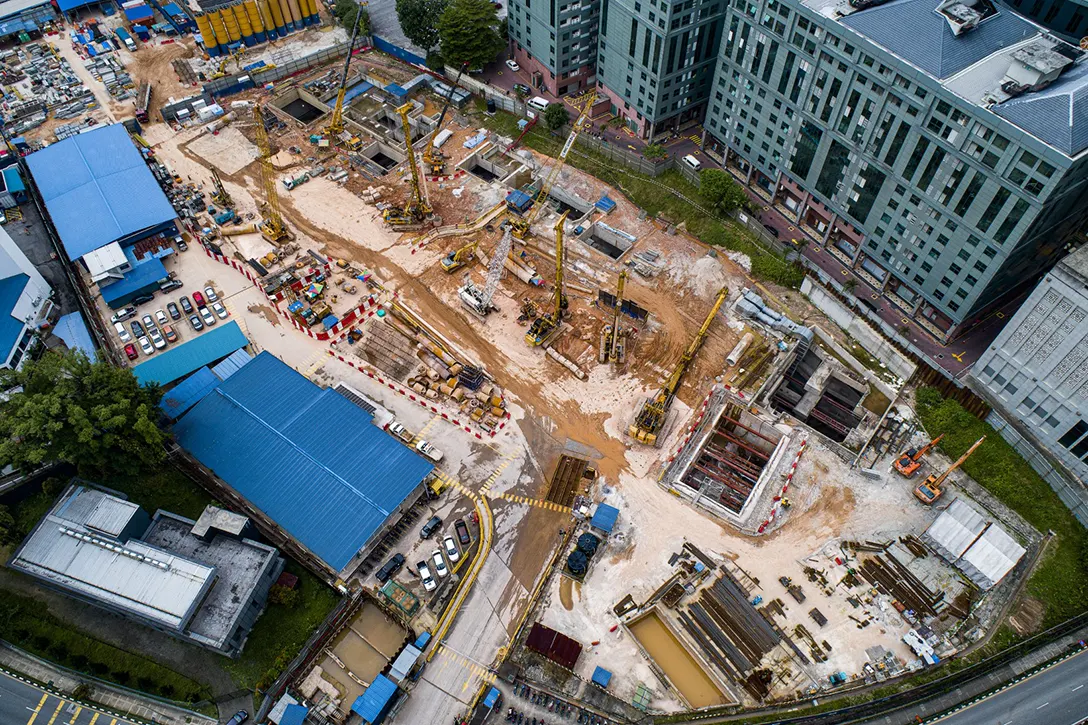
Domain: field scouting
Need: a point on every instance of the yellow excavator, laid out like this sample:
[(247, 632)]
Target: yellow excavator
[(432, 156), (612, 343), (417, 209), (336, 121), (651, 419), (459, 257), (545, 326), (521, 224), (929, 491)]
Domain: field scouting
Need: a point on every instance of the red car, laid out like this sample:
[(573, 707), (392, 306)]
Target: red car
[(130, 350), (198, 300)]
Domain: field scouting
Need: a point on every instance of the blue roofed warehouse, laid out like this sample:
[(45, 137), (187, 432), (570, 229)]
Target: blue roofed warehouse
[(306, 460)]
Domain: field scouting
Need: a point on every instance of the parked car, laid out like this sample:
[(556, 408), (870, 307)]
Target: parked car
[(198, 299), (156, 338), (209, 292), (440, 567), (145, 345), (429, 584), (170, 286), (122, 332), (462, 532), (428, 530), (186, 305), (451, 549), (513, 65), (391, 567), (239, 717), (137, 328), (160, 317), (220, 310), (175, 313), (180, 244), (207, 316), (522, 89), (400, 431), (771, 230), (197, 325), (143, 299), (123, 314), (169, 334), (148, 321), (130, 350), (428, 450)]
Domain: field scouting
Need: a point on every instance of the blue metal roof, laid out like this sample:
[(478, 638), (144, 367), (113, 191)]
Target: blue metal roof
[(373, 703), (310, 459), (136, 280), (1057, 115), (180, 360), (601, 677), (917, 33), (294, 715), (232, 364), (604, 518), (11, 328), (357, 90), (13, 182), (140, 12), (605, 204), (98, 189), (66, 5), (188, 392), (73, 330), (396, 90)]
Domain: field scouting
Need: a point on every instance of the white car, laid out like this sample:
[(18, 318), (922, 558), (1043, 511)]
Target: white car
[(428, 450), (148, 322), (439, 564), (219, 310), (122, 332), (451, 549), (209, 293), (429, 583), (156, 338), (145, 345), (513, 65), (207, 316), (161, 317)]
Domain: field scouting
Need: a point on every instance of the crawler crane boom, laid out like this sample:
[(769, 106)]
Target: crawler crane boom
[(545, 326), (931, 490), (417, 209), (272, 227), (336, 121), (434, 158)]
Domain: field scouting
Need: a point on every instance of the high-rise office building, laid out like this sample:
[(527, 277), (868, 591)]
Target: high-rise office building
[(936, 147), (555, 41)]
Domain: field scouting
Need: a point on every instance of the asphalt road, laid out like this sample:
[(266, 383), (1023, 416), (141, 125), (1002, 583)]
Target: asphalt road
[(25, 704), (1058, 696)]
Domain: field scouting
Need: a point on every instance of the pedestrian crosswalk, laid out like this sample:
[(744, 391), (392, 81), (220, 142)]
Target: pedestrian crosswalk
[(450, 481), (506, 461), (697, 140), (452, 666), (532, 502), (311, 364), (53, 710)]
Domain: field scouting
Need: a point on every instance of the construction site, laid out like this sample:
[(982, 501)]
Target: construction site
[(758, 500)]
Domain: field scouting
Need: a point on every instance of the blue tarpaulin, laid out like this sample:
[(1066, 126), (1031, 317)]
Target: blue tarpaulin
[(357, 90), (373, 705), (601, 677), (330, 321), (518, 201), (396, 91), (604, 518), (605, 204)]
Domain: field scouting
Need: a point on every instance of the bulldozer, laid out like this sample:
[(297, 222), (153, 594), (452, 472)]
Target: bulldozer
[(911, 460), (929, 491)]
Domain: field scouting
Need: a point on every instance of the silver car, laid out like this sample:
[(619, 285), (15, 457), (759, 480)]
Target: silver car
[(145, 345), (122, 332), (207, 316), (156, 338), (220, 310)]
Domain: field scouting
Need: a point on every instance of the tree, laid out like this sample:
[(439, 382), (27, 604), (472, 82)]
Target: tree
[(419, 21), (345, 12), (556, 116), (720, 191), (654, 151), (469, 33), (92, 415)]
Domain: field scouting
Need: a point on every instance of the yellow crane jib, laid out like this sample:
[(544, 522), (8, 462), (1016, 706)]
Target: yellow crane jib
[(545, 326), (650, 420), (220, 195), (272, 227), (521, 224), (417, 209), (336, 121)]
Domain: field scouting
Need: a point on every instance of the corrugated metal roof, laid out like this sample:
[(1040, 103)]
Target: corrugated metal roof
[(11, 328), (372, 704), (140, 277), (991, 557), (604, 518), (1057, 114), (98, 188), (13, 181), (188, 393), (232, 364), (14, 7), (104, 258), (111, 515), (954, 530), (917, 33), (307, 457), (73, 330), (180, 360), (404, 662), (357, 90), (294, 715)]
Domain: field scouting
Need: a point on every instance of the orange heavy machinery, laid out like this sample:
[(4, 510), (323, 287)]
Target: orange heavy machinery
[(911, 460), (931, 490)]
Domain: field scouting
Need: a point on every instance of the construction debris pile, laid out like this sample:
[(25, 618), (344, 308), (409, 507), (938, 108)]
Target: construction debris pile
[(112, 74), (44, 85)]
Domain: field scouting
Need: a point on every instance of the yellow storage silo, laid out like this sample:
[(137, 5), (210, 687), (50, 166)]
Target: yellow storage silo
[(273, 19), (285, 9), (296, 14), (231, 24), (219, 27), (244, 28), (254, 16), (211, 45)]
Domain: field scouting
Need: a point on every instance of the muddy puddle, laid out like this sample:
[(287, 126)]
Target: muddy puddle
[(670, 655), (362, 651)]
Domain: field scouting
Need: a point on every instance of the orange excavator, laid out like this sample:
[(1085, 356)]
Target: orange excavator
[(911, 460), (931, 490)]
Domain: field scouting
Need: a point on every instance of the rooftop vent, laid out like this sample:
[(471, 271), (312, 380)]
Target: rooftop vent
[(965, 15), (1032, 68)]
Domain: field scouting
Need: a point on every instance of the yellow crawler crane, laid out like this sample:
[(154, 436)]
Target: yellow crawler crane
[(545, 326), (417, 209), (271, 227), (651, 418), (336, 121)]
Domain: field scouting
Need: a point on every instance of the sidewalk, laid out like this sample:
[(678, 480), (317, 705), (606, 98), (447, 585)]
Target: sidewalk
[(111, 697)]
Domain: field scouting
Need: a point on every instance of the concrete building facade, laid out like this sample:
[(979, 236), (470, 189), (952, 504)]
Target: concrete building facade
[(1067, 18), (555, 41), (1036, 371), (945, 165), (25, 302)]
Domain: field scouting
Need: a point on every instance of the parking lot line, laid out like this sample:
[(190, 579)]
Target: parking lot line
[(56, 712), (35, 711)]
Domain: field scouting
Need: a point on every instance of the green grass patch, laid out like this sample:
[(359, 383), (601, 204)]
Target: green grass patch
[(1060, 582), (661, 197), (168, 489), (281, 631), (26, 623)]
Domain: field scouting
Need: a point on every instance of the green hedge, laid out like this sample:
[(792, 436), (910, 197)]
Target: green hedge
[(1061, 580)]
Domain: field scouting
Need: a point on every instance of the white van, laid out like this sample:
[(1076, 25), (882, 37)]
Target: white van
[(537, 103), (692, 162)]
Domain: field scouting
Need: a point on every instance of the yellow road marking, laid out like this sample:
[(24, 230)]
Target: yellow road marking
[(56, 712), (79, 709), (427, 428), (531, 502), (95, 718), (38, 709)]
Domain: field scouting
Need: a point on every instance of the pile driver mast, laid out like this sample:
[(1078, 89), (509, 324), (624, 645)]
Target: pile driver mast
[(417, 209), (651, 419), (272, 227), (611, 349), (220, 195), (522, 224), (545, 326), (336, 122), (434, 158)]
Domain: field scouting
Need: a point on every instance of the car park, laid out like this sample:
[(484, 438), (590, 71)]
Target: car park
[(170, 286), (207, 316), (220, 310), (145, 345), (451, 549), (149, 322), (195, 322), (122, 332), (462, 532), (123, 314), (169, 333), (440, 567), (186, 305), (430, 528), (137, 328), (156, 338), (175, 313), (429, 583), (198, 299), (513, 65), (391, 567), (238, 718), (160, 317), (209, 292), (130, 351), (428, 450)]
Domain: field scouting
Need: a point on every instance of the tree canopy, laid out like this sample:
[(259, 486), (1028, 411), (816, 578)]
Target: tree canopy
[(65, 408), (469, 33), (556, 116), (720, 191), (419, 21), (345, 12)]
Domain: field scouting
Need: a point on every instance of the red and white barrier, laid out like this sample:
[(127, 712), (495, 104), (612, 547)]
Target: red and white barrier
[(777, 505)]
